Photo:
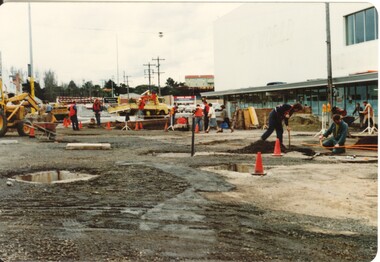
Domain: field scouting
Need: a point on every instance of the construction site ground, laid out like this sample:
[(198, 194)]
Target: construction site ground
[(150, 200)]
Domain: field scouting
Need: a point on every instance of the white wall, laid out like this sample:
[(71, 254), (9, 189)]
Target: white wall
[(265, 42), (353, 58)]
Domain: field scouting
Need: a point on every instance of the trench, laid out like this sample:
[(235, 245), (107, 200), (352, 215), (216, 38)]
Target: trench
[(53, 176)]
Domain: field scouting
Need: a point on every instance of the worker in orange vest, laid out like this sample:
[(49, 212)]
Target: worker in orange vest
[(97, 108), (141, 105), (172, 113), (73, 115), (198, 114)]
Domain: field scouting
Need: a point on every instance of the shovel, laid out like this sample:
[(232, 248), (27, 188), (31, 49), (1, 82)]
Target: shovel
[(289, 138)]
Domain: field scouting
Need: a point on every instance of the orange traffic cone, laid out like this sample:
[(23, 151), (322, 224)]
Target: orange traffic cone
[(137, 126), (166, 127), (31, 133), (108, 126), (259, 169), (65, 123), (80, 125), (196, 128), (141, 125), (277, 148)]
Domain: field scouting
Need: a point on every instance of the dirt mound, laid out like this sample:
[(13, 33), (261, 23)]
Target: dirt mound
[(367, 140), (258, 146), (268, 147)]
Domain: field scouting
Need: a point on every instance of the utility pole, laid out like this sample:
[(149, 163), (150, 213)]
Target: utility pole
[(329, 67), (126, 77), (158, 73), (149, 73), (112, 86)]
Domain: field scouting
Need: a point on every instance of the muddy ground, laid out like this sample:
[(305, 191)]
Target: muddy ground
[(152, 201)]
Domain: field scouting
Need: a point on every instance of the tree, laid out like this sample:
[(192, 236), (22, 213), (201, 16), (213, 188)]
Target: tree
[(141, 89), (88, 88), (50, 83), (38, 92), (72, 89)]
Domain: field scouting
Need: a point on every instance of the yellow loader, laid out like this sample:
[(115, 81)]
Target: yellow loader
[(13, 112)]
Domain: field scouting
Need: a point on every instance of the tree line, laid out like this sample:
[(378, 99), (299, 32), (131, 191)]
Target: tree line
[(52, 90)]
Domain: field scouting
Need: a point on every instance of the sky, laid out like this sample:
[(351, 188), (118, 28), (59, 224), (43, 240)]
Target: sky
[(101, 41)]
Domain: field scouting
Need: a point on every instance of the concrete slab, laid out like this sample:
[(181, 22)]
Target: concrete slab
[(88, 146), (7, 142)]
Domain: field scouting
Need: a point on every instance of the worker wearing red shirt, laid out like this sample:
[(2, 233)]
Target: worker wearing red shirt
[(141, 108), (73, 115), (198, 114)]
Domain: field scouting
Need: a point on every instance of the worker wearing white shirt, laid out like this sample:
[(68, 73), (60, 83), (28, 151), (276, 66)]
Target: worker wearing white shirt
[(212, 118)]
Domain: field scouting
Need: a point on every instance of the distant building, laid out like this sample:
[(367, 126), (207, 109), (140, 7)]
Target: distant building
[(200, 82)]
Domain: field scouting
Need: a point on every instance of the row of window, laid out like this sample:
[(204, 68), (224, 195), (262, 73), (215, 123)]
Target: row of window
[(343, 96), (362, 26)]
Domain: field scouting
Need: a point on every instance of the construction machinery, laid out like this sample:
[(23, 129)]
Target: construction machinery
[(153, 106), (14, 111)]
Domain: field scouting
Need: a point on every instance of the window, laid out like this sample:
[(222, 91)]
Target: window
[(361, 26)]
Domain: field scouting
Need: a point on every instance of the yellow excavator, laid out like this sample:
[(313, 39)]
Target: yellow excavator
[(14, 111)]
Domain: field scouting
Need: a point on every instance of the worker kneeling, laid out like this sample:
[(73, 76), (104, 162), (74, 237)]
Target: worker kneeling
[(339, 129)]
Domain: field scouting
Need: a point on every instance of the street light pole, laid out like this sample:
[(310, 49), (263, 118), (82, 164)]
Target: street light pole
[(31, 55), (117, 59), (329, 67)]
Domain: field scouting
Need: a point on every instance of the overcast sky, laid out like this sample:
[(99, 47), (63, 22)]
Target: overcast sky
[(89, 41)]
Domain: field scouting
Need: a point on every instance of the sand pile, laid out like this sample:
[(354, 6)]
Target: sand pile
[(305, 123)]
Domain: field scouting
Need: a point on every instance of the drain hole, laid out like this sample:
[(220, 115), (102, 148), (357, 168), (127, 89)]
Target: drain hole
[(54, 176), (240, 168)]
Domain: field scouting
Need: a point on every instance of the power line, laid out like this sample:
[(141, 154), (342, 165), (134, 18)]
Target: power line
[(149, 73), (158, 72)]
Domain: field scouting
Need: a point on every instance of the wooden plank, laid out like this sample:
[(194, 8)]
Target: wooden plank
[(88, 146), (247, 119), (253, 116)]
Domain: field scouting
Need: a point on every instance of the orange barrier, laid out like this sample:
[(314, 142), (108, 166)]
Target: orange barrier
[(277, 148), (31, 133), (360, 147), (66, 122), (196, 128)]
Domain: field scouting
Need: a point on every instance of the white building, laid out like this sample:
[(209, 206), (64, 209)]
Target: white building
[(259, 43), (202, 82)]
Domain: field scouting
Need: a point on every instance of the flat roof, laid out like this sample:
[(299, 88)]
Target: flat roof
[(364, 77)]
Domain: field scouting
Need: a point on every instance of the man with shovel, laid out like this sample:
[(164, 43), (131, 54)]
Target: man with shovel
[(277, 115)]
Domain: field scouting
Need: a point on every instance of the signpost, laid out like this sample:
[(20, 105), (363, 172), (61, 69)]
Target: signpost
[(110, 100)]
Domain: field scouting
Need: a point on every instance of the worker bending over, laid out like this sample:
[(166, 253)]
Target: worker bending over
[(277, 115), (339, 129)]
